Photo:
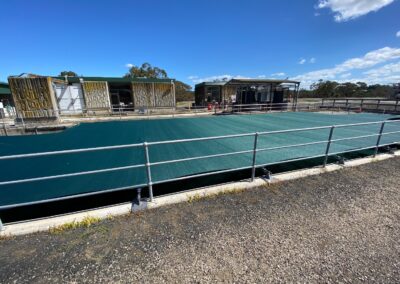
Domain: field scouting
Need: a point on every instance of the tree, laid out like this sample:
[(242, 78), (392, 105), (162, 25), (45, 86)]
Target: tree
[(146, 71), (332, 89), (324, 89), (183, 92), (68, 73)]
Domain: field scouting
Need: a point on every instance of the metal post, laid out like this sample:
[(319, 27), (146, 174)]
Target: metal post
[(377, 106), (397, 103), (139, 195), (253, 169), (361, 104), (22, 120), (149, 182), (4, 123), (347, 103), (5, 129), (328, 146), (333, 105), (1, 225), (378, 141)]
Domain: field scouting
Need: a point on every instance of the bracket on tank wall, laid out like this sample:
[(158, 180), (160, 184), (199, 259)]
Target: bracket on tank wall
[(136, 202), (389, 149), (267, 174), (340, 159)]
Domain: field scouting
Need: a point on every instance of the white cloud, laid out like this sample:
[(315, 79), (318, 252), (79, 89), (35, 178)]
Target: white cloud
[(345, 75), (312, 60), (193, 77), (398, 34), (279, 74), (261, 76), (369, 60), (302, 61), (345, 10), (384, 71), (129, 65)]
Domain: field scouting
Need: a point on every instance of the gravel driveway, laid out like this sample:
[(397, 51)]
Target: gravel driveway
[(342, 226)]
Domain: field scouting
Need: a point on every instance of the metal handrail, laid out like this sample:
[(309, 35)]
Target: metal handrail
[(35, 116), (72, 174), (148, 164)]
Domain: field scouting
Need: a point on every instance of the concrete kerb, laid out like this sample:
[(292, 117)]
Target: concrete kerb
[(45, 224)]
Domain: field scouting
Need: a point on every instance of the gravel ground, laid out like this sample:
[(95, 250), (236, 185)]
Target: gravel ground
[(336, 227)]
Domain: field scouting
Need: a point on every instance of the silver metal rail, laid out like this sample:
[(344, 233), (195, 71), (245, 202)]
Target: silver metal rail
[(146, 146), (30, 121)]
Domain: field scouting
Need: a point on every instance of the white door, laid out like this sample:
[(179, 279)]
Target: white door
[(69, 98)]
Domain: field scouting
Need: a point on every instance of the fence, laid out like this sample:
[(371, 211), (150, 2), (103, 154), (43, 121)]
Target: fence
[(362, 104), (254, 152), (31, 121)]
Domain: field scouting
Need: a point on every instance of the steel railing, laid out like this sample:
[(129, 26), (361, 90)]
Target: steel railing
[(253, 165), (32, 121), (369, 104)]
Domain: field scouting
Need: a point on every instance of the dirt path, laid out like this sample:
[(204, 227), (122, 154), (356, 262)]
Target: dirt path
[(341, 226)]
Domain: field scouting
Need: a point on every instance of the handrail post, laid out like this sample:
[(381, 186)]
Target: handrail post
[(148, 170), (3, 114), (1, 225), (378, 141), (328, 146), (253, 168)]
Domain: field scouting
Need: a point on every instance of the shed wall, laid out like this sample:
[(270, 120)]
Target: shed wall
[(199, 95), (96, 95), (153, 95), (228, 92), (33, 97)]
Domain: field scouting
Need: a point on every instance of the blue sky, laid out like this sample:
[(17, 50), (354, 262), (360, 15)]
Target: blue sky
[(205, 39)]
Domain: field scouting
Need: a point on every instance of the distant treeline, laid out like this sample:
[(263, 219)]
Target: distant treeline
[(332, 89)]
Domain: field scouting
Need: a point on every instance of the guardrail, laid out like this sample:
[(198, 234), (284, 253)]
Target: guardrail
[(330, 139), (268, 107), (374, 104), (30, 121)]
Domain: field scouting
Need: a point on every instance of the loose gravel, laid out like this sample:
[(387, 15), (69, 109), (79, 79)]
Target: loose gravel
[(335, 227)]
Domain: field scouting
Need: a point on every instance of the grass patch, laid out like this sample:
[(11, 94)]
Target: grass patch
[(198, 197), (6, 237), (85, 222)]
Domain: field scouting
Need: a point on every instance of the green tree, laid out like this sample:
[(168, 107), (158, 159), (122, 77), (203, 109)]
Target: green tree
[(324, 89), (183, 92), (68, 73), (332, 89), (146, 71)]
